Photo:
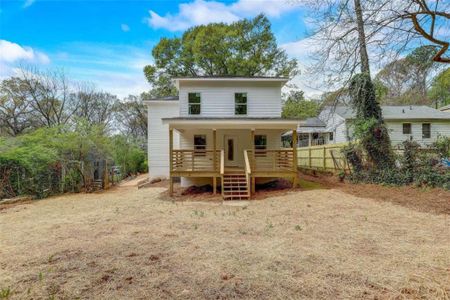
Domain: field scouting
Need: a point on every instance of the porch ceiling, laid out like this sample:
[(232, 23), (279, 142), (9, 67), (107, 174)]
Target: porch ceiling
[(231, 123)]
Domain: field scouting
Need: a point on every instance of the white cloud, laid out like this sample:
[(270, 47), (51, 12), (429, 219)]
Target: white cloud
[(125, 27), (12, 54), (201, 12), (28, 3)]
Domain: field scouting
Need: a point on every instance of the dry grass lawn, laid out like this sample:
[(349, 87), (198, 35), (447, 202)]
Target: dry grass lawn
[(134, 244)]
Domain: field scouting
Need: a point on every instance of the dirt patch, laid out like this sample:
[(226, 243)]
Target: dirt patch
[(434, 200), (275, 188), (127, 243)]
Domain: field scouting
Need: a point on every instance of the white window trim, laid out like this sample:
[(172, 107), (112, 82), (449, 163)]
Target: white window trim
[(189, 104), (234, 102)]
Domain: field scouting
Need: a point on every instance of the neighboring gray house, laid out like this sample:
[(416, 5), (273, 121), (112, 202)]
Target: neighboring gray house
[(422, 124)]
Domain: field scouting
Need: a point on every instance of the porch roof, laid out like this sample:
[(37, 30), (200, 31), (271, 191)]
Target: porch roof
[(231, 123)]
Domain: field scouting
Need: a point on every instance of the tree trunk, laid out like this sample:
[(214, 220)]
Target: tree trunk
[(362, 38)]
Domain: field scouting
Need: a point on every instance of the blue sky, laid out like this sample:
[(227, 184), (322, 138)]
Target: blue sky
[(109, 42)]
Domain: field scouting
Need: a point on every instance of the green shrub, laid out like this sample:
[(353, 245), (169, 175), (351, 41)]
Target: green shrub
[(414, 167), (442, 146)]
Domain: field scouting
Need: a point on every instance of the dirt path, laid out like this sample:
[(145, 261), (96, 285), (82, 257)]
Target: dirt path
[(134, 182), (130, 243)]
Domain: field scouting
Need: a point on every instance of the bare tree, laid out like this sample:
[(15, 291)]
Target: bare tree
[(15, 110), (424, 20), (94, 106), (131, 115), (349, 36), (49, 95)]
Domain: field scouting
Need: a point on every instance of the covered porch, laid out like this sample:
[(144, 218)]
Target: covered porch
[(231, 153)]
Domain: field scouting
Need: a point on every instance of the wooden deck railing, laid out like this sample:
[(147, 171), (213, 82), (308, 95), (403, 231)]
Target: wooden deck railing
[(195, 161), (278, 160)]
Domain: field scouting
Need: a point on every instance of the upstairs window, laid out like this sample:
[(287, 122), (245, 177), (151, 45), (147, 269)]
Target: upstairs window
[(426, 130), (240, 103), (194, 103), (406, 128)]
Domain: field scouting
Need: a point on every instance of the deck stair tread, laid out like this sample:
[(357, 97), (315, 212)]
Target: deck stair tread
[(235, 185)]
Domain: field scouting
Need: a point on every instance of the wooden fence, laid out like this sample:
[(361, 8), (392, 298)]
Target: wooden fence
[(324, 157), (330, 157)]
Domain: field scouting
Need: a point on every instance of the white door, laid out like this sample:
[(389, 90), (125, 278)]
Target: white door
[(230, 146)]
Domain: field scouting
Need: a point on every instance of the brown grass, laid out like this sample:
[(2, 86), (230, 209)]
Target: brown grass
[(432, 200), (133, 244)]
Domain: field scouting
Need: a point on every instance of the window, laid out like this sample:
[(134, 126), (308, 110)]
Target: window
[(406, 128), (194, 103), (200, 145), (230, 152), (331, 137), (240, 103), (260, 145), (260, 142), (426, 130)]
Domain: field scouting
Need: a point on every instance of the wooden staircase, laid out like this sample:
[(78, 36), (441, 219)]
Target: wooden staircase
[(235, 185)]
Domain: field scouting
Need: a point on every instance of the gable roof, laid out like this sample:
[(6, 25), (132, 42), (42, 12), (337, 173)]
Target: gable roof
[(230, 78), (405, 112), (161, 99), (273, 78), (313, 122)]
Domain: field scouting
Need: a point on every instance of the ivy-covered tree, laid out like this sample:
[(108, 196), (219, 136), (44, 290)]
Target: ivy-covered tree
[(368, 124), (242, 48)]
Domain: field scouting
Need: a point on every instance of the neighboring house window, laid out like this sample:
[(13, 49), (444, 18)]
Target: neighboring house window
[(331, 137), (194, 103), (406, 128), (240, 103), (200, 145), (426, 130)]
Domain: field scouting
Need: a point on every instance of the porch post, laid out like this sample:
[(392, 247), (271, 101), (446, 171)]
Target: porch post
[(171, 160), (252, 163), (309, 139), (214, 162), (295, 153)]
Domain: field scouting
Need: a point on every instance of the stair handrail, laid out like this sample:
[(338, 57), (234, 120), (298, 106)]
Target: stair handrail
[(222, 168), (222, 162), (248, 171)]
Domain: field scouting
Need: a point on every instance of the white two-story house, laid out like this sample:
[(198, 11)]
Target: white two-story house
[(222, 131)]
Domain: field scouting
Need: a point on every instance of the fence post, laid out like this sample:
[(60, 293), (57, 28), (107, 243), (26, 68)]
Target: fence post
[(324, 158), (309, 156)]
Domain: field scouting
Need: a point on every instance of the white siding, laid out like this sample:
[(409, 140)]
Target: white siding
[(217, 98), (342, 133), (437, 128), (158, 137), (337, 124)]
